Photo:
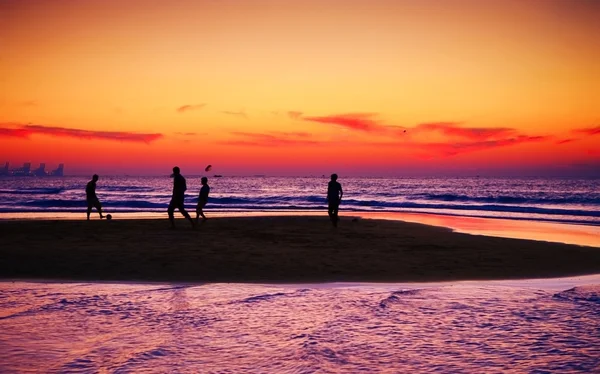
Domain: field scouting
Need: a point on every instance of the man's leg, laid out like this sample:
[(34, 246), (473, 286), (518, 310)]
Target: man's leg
[(89, 210), (171, 211), (99, 208), (335, 214), (199, 211), (181, 208), (330, 211)]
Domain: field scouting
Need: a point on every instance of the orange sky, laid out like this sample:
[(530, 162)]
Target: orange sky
[(359, 87)]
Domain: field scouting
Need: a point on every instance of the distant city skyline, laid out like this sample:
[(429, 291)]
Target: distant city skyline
[(26, 170), (361, 88)]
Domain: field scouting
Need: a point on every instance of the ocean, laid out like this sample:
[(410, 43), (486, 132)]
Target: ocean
[(534, 326), (545, 326), (544, 199)]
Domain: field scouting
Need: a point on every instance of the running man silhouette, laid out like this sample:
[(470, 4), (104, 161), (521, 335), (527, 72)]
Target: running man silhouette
[(202, 199), (334, 198), (177, 200), (91, 198)]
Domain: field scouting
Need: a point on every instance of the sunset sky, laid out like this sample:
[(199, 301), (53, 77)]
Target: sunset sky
[(302, 87)]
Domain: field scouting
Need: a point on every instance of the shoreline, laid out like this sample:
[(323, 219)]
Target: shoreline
[(551, 283), (548, 231), (286, 250)]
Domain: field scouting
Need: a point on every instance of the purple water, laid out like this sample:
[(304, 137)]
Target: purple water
[(469, 327), (562, 200)]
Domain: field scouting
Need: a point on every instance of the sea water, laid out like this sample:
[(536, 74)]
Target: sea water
[(547, 199), (478, 327)]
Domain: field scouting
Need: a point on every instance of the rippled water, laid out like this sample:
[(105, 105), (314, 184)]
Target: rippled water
[(565, 200), (464, 327)]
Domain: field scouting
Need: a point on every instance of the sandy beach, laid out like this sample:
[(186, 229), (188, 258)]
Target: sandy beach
[(275, 249)]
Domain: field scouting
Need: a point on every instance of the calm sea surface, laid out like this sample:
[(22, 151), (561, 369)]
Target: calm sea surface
[(561, 200), (475, 327)]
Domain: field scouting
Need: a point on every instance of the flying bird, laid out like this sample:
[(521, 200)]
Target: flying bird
[(208, 168)]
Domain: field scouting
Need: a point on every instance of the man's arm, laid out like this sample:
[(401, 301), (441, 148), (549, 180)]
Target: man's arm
[(341, 192)]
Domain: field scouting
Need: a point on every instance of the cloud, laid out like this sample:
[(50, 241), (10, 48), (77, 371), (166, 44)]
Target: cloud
[(293, 134), (366, 122), (18, 133), (187, 133), (271, 139), (588, 131), (293, 114), (451, 149), (564, 141), (436, 149), (25, 131), (453, 129), (240, 114), (352, 121), (187, 108)]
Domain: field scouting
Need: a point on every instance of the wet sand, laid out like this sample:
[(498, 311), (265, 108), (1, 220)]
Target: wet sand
[(275, 249)]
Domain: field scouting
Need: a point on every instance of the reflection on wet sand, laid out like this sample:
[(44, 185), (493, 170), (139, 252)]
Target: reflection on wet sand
[(518, 229)]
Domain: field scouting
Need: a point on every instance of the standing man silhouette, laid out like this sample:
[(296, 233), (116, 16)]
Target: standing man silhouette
[(91, 198), (177, 200), (334, 198), (202, 199)]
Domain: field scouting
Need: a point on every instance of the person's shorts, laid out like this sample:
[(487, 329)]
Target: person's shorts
[(177, 204), (94, 203)]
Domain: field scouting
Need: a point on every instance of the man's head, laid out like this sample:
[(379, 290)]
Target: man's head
[(334, 177), (95, 177), (204, 180), (176, 170)]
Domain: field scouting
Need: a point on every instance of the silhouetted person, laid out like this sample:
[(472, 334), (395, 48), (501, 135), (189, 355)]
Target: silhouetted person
[(91, 198), (202, 199), (334, 198), (178, 197)]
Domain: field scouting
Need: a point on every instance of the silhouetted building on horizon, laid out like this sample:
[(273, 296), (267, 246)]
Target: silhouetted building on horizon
[(25, 171), (40, 171), (59, 171)]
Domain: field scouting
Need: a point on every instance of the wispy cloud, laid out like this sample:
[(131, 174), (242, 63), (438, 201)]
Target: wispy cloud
[(367, 122), (241, 113), (588, 130), (294, 114), (441, 149), (25, 131), (565, 141), (453, 129), (187, 108), (451, 149), (273, 139), (187, 133), (292, 134), (353, 121), (18, 133)]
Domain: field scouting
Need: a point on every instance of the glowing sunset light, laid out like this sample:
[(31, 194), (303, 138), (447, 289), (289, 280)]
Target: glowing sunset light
[(361, 87)]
